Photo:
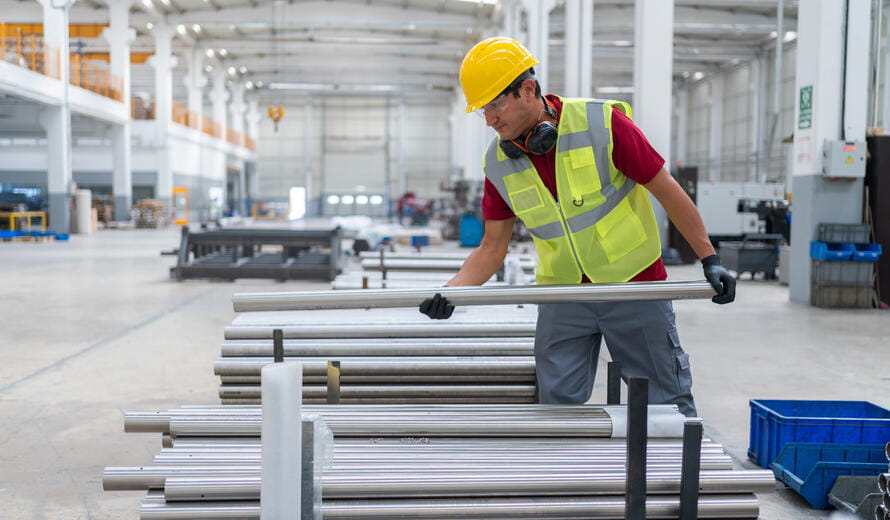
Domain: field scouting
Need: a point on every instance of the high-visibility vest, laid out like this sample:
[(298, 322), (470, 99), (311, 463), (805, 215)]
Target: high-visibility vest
[(601, 223)]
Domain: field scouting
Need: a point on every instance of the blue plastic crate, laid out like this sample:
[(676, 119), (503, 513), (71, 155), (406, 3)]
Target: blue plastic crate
[(775, 423), (812, 469), (866, 252), (5, 233), (831, 251)]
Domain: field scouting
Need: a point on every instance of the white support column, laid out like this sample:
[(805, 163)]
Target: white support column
[(163, 62), (237, 107), (195, 81), (885, 71), (512, 18), (538, 12), (311, 210), (828, 107), (56, 121), (253, 118), (856, 85), (681, 112), (400, 151), (653, 80), (755, 95), (219, 96), (579, 48), (119, 36), (715, 136)]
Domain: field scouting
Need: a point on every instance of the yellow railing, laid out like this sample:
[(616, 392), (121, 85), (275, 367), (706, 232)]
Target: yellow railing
[(27, 50), (249, 143), (185, 117)]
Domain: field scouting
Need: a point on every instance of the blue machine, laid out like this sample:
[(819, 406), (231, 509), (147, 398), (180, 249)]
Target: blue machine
[(471, 230)]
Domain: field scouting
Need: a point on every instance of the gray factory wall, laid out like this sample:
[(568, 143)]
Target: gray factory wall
[(350, 151)]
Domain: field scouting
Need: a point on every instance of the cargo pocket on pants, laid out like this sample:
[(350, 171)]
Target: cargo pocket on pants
[(684, 374)]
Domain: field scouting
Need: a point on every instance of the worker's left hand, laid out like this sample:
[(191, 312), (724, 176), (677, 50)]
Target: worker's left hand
[(720, 279), (437, 307)]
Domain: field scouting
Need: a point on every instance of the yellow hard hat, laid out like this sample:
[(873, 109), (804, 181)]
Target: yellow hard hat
[(490, 67)]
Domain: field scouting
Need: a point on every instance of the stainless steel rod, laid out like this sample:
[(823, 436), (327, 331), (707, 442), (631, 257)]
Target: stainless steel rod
[(449, 255), (434, 392), (446, 329), (148, 477), (422, 264), (385, 347), (520, 294), (341, 485), (524, 379), (734, 506), (429, 365)]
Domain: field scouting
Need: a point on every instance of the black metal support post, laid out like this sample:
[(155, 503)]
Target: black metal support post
[(278, 345), (637, 435), (689, 477), (613, 383), (333, 394)]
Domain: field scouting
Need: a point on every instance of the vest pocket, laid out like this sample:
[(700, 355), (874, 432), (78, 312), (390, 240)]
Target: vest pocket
[(581, 171), (620, 231), (526, 199)]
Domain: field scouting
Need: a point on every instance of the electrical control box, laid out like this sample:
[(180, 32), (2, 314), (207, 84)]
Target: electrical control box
[(843, 159)]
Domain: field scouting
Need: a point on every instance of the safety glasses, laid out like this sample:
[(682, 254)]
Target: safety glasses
[(496, 106)]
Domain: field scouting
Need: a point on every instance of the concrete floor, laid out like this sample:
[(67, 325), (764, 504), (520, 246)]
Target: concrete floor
[(94, 327)]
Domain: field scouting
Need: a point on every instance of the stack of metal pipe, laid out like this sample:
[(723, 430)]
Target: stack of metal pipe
[(882, 511), (389, 370), (430, 462), (396, 359), (430, 261)]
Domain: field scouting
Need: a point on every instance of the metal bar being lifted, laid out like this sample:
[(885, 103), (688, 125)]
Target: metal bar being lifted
[(510, 295)]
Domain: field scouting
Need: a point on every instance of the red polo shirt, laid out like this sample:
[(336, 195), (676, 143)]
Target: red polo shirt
[(632, 155)]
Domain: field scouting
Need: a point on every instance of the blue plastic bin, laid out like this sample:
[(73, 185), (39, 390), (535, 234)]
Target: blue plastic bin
[(831, 251), (866, 252), (420, 240), (775, 423), (811, 469), (5, 233)]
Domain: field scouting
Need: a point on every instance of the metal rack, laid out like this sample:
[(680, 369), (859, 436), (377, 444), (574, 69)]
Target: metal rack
[(238, 253)]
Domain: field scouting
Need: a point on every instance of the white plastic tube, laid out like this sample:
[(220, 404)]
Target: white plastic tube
[(282, 441)]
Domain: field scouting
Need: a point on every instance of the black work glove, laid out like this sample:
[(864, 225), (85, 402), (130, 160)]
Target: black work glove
[(719, 278), (437, 307)]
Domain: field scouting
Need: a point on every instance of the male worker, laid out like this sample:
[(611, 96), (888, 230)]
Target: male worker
[(578, 173)]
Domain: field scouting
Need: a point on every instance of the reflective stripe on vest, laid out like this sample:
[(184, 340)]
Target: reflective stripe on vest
[(603, 224)]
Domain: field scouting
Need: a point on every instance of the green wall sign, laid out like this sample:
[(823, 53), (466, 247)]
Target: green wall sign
[(805, 119)]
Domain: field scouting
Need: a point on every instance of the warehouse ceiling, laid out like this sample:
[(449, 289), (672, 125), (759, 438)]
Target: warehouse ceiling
[(287, 48)]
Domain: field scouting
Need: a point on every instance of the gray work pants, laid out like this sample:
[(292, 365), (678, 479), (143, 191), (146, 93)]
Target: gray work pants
[(641, 336)]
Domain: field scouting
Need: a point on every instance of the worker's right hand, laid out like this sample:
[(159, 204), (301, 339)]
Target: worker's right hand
[(437, 307)]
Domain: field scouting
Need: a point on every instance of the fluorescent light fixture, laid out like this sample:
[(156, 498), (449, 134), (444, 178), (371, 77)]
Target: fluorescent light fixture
[(180, 29), (614, 90), (147, 3), (773, 34), (208, 68), (789, 36), (376, 200), (243, 69), (697, 76), (259, 84), (149, 25), (301, 86), (361, 199), (196, 27), (347, 199), (223, 53), (209, 53), (296, 203), (248, 85), (231, 71), (333, 199), (166, 2)]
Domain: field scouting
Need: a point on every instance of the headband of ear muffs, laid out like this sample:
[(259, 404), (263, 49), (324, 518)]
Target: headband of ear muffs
[(537, 141)]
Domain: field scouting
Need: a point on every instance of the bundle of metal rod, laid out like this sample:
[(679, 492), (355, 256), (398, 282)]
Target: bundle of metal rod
[(514, 461), (515, 294)]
